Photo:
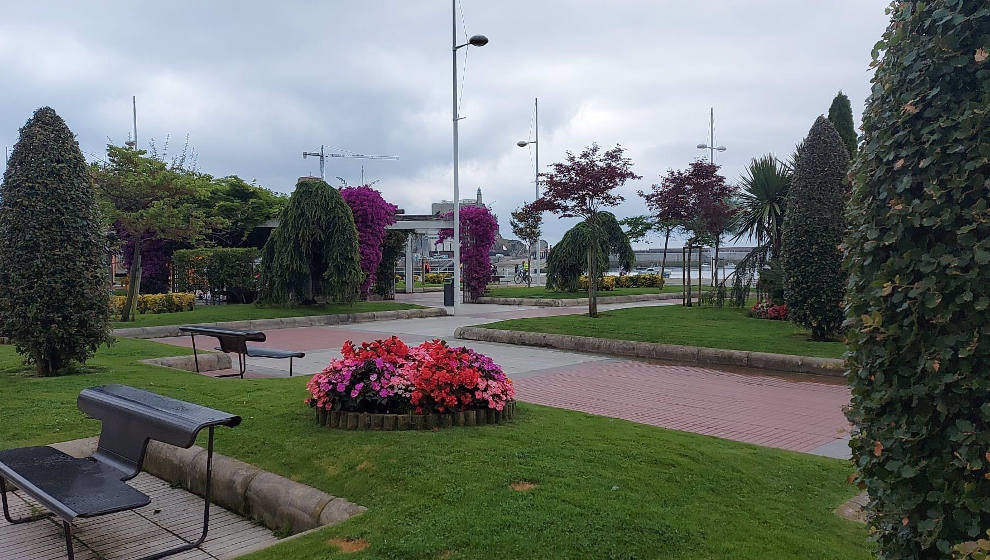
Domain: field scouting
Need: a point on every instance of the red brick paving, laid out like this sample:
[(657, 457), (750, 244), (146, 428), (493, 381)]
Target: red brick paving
[(769, 411)]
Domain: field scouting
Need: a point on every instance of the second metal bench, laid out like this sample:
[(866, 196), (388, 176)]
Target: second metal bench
[(235, 342)]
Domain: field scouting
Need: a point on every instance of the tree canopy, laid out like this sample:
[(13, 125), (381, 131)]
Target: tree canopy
[(54, 273), (568, 260)]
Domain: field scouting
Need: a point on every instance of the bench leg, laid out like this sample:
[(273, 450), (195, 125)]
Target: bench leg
[(290, 366), (195, 356), (206, 510), (6, 509), (67, 529)]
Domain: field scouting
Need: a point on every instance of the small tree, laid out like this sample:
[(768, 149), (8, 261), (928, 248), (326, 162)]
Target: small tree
[(841, 115), (526, 223), (568, 258), (670, 201), (313, 253), (813, 229), (580, 187), (148, 199), (371, 216), (919, 284), (54, 287)]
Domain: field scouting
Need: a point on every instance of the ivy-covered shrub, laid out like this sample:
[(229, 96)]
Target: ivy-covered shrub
[(313, 253), (841, 116), (392, 248), (478, 230), (919, 286), (371, 215), (54, 266), (220, 270), (813, 227)]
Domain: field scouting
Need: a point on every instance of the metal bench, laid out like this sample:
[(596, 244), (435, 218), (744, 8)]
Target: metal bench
[(235, 342), (71, 488)]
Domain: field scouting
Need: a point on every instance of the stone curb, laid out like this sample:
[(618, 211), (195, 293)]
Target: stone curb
[(541, 302), (208, 361), (165, 331), (695, 354), (277, 502)]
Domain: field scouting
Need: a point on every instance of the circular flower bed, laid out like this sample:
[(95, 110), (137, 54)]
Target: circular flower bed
[(439, 384)]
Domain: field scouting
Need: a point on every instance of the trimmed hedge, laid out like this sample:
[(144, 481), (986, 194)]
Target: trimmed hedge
[(156, 303), (609, 283), (919, 286), (220, 270)]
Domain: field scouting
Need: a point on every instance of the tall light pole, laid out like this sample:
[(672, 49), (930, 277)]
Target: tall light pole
[(536, 176), (710, 146), (474, 41)]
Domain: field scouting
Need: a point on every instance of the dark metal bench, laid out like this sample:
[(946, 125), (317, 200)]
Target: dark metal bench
[(235, 342), (71, 488)]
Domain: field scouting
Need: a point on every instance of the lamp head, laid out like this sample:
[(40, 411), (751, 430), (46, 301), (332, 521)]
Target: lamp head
[(478, 41), (522, 143), (702, 146), (720, 148)]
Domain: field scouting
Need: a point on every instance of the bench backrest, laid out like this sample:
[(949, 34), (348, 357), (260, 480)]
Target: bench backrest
[(132, 416), (230, 340)]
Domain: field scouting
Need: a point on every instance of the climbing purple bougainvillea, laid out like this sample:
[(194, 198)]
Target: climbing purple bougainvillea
[(156, 254), (478, 229), (371, 215)]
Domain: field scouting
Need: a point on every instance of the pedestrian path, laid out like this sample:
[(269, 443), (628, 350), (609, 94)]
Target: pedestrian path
[(798, 413)]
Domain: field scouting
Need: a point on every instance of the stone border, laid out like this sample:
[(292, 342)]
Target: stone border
[(401, 422), (545, 302), (277, 502), (288, 322), (691, 354), (208, 361)]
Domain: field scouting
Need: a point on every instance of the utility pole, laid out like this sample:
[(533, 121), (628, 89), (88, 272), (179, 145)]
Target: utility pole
[(323, 155)]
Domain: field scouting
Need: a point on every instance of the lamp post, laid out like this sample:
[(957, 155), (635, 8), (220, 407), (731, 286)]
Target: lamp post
[(474, 41), (536, 176), (710, 146)]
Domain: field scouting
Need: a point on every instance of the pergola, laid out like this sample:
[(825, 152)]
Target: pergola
[(421, 224)]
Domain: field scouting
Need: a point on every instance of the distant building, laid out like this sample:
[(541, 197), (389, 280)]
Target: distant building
[(445, 206)]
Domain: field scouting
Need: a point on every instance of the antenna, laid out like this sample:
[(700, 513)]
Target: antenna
[(323, 155)]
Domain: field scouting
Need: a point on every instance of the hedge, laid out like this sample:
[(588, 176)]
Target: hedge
[(609, 283), (221, 270), (156, 303)]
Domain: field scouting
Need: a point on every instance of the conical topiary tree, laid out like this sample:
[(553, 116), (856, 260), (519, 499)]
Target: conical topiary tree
[(919, 299), (841, 116), (813, 229), (313, 253), (54, 271)]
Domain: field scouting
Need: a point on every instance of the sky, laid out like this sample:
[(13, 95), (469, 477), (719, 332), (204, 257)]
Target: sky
[(254, 84)]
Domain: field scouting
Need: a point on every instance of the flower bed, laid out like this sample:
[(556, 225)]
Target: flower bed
[(767, 310), (432, 380)]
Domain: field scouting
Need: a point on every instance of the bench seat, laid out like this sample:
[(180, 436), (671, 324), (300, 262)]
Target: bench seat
[(261, 352), (67, 486)]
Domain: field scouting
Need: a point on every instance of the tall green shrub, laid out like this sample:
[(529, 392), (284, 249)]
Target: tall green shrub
[(813, 229), (841, 115), (54, 270), (221, 270), (919, 265), (313, 253)]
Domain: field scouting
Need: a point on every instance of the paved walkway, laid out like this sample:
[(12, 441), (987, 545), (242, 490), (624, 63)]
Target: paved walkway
[(173, 513), (799, 413)]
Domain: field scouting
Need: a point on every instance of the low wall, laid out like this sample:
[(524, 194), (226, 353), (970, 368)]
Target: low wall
[(568, 302), (287, 322), (277, 502), (630, 348), (208, 361)]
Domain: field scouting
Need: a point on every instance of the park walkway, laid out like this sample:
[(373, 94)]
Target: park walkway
[(794, 412)]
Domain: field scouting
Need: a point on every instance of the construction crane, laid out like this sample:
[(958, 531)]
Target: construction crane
[(323, 155)]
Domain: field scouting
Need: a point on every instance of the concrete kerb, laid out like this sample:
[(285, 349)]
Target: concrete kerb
[(571, 302), (689, 354), (208, 361), (277, 502), (165, 331)]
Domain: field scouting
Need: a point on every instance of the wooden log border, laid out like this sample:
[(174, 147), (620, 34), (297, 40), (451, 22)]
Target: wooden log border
[(399, 422)]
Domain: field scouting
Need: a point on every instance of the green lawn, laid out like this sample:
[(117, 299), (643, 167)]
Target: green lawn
[(690, 326), (605, 488), (539, 292), (248, 311)]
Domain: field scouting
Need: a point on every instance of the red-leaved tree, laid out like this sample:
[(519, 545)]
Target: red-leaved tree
[(580, 187)]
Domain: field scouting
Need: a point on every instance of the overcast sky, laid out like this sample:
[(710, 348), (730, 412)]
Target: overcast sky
[(253, 84)]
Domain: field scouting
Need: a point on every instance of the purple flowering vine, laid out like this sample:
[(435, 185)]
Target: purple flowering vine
[(478, 230), (371, 215)]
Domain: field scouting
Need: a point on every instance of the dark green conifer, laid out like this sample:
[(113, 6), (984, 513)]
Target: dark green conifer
[(841, 115)]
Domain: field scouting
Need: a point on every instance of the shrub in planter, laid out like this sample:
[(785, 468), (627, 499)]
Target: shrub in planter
[(371, 377)]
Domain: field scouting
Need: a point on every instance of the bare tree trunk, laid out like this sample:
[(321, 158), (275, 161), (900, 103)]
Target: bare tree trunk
[(308, 289), (529, 270), (663, 262), (592, 283), (715, 266), (701, 249), (129, 313), (686, 267)]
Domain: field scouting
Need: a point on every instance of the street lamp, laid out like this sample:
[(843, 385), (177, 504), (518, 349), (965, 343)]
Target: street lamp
[(710, 146), (536, 177), (474, 41)]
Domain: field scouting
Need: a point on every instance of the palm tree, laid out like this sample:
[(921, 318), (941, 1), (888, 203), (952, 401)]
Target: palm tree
[(762, 199)]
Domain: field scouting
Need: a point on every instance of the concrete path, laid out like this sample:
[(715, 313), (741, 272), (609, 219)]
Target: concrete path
[(173, 513), (799, 413)]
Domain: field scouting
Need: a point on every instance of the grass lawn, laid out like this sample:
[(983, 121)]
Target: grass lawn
[(248, 311), (605, 488), (539, 292), (690, 326)]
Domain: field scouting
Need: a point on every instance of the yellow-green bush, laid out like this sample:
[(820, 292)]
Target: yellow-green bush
[(608, 283), (435, 278), (155, 303), (648, 281)]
